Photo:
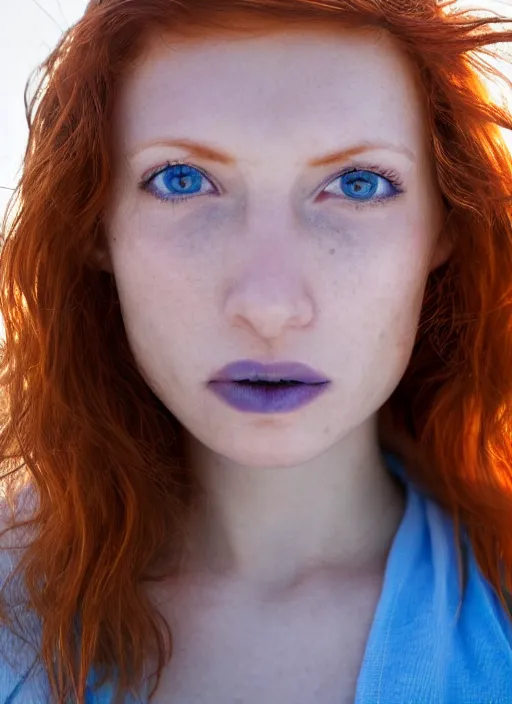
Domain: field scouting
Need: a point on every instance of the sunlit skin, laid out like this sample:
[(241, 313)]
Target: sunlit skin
[(271, 259)]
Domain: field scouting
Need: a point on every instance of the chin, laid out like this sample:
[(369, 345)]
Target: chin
[(281, 452)]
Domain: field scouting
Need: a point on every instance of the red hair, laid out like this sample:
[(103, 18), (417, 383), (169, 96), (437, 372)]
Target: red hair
[(82, 426)]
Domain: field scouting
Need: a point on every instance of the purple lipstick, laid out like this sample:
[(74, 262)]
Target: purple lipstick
[(267, 388)]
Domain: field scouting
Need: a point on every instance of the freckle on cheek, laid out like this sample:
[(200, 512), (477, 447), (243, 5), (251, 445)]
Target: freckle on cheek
[(332, 251)]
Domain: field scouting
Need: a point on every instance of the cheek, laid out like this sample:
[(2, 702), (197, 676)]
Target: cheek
[(161, 299), (375, 294), (372, 339), (383, 259), (394, 286), (155, 251), (165, 283)]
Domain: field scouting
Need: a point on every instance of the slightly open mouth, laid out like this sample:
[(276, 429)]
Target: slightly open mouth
[(267, 396), (279, 384)]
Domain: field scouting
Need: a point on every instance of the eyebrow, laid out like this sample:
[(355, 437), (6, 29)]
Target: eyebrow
[(210, 153)]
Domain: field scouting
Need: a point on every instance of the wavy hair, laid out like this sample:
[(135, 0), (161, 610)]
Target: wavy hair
[(81, 426)]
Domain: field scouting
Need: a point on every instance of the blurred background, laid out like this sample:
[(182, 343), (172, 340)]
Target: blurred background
[(29, 29)]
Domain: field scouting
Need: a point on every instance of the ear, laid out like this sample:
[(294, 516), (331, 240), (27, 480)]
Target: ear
[(101, 259), (443, 246), (442, 250)]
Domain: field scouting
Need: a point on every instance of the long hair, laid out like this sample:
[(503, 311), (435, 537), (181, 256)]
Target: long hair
[(81, 426)]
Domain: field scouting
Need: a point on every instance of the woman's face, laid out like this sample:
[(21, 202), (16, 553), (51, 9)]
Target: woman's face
[(276, 253)]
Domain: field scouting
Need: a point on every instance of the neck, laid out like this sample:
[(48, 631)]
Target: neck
[(272, 526)]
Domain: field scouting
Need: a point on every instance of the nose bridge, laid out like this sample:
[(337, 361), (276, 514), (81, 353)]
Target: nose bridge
[(275, 263), (269, 291), (272, 262)]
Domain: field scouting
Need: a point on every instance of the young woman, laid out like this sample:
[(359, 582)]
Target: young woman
[(257, 292)]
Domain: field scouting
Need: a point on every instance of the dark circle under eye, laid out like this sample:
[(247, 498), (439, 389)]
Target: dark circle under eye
[(360, 184), (182, 178)]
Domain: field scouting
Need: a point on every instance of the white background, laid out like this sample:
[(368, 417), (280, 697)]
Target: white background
[(29, 29)]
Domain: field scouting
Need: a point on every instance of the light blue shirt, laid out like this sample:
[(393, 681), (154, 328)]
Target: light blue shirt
[(422, 648)]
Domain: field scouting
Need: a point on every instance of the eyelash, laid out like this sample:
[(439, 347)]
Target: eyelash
[(388, 174)]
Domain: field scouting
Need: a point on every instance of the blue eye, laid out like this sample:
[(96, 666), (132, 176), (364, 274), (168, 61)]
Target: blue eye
[(175, 182), (179, 182), (363, 185)]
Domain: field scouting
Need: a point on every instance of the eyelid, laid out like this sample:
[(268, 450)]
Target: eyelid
[(156, 171), (389, 174)]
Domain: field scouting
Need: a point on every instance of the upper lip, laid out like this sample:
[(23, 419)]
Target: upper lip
[(249, 370)]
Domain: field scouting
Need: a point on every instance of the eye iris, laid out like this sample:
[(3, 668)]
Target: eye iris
[(182, 178), (360, 184)]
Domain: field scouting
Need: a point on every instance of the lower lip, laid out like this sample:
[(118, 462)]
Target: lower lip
[(266, 399)]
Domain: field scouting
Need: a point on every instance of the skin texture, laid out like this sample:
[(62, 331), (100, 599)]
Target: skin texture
[(273, 262)]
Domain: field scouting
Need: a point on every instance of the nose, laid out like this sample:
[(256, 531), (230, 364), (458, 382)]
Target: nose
[(268, 297)]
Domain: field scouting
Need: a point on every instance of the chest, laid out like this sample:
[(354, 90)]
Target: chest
[(306, 652)]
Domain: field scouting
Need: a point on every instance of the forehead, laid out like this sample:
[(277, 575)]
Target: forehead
[(283, 86)]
